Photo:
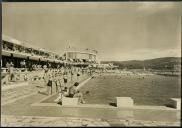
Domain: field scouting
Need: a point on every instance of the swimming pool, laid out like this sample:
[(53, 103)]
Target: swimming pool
[(150, 90)]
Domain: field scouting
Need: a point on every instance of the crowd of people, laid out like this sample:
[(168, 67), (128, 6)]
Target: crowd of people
[(61, 79), (65, 79)]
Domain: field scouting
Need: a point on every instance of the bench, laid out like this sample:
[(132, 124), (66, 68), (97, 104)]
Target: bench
[(124, 102), (176, 103), (69, 101)]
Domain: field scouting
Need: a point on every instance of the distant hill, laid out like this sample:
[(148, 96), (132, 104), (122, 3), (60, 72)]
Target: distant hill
[(158, 63)]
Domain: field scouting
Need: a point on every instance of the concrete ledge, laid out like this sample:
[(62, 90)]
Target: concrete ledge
[(124, 102), (69, 101), (83, 83), (176, 103)]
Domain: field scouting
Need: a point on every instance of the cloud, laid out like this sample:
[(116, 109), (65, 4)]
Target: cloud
[(149, 8)]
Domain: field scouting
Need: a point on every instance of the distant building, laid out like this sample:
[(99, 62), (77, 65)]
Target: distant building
[(86, 56)]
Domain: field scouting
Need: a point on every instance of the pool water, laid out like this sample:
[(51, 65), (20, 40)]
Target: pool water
[(150, 90)]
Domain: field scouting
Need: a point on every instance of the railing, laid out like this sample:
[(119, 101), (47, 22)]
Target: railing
[(84, 50), (33, 56)]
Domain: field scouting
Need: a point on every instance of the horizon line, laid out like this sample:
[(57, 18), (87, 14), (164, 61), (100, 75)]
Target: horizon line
[(144, 59)]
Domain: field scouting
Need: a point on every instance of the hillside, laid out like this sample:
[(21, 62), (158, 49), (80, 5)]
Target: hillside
[(158, 63)]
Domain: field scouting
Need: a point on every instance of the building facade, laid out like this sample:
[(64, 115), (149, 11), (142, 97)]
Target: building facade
[(75, 55), (16, 52)]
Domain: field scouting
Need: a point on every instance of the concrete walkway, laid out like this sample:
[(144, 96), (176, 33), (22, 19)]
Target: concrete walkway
[(14, 85), (23, 107)]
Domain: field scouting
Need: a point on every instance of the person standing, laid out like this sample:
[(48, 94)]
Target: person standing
[(65, 78), (78, 75), (82, 69), (79, 95), (46, 71), (26, 75), (58, 84), (72, 74), (45, 67), (49, 84), (7, 77), (7, 66), (23, 64), (11, 71)]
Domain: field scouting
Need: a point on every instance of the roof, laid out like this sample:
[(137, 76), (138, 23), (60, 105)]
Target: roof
[(11, 40), (24, 44)]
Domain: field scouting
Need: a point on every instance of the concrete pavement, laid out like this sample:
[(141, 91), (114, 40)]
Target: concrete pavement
[(23, 108)]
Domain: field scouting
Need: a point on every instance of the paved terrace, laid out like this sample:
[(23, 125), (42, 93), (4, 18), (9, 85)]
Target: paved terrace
[(25, 109)]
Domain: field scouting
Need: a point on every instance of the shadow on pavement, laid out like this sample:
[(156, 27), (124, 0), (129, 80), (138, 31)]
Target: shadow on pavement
[(113, 104), (39, 86)]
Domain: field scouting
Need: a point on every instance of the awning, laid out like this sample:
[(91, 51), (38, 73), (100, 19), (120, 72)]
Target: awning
[(6, 53), (34, 58), (11, 40), (15, 54), (50, 60), (43, 59), (20, 55)]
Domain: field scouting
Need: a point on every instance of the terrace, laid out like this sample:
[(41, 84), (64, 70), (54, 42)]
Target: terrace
[(21, 49)]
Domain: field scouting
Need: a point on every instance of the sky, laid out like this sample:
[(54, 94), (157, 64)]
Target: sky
[(117, 30)]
